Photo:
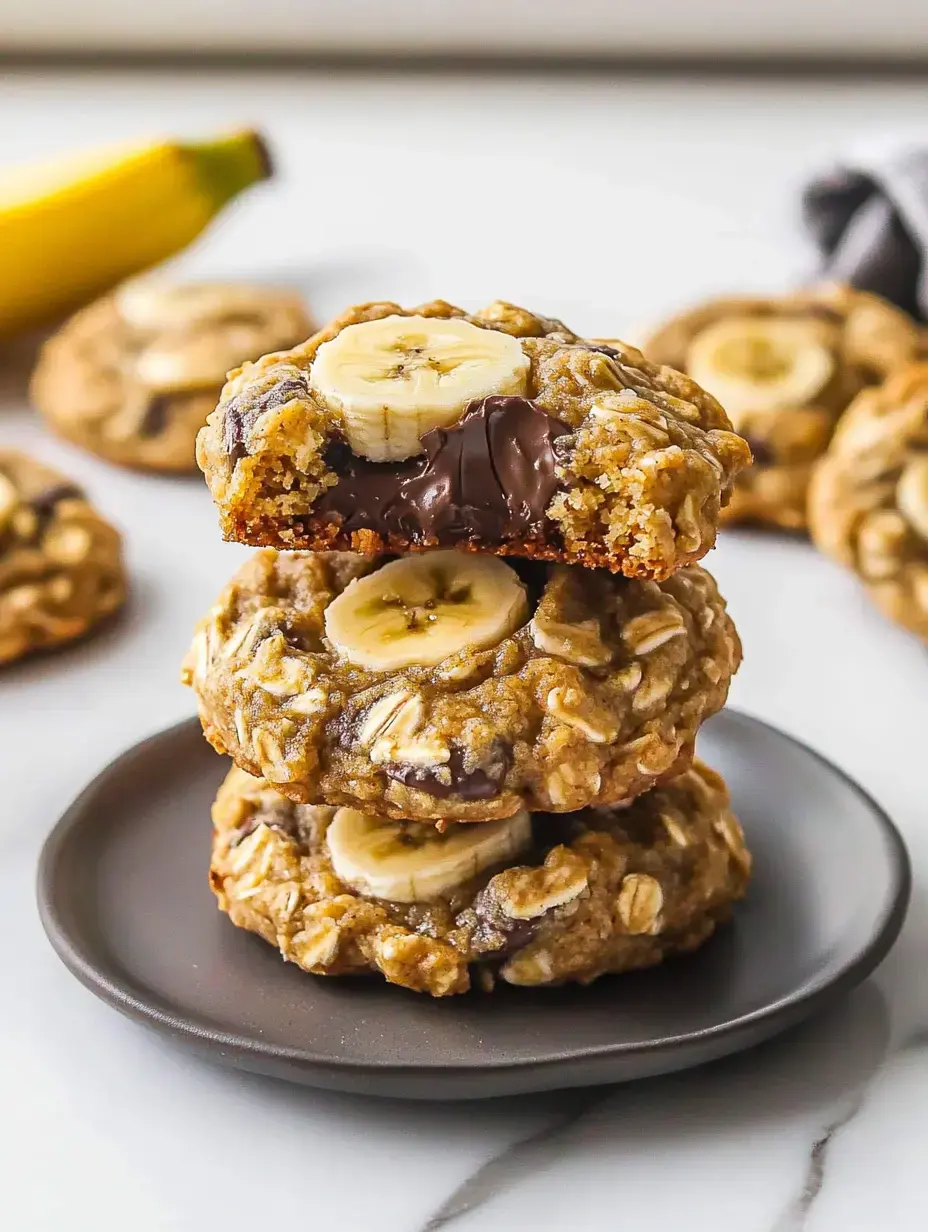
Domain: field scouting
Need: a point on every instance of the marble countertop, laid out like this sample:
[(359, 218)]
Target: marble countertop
[(605, 202)]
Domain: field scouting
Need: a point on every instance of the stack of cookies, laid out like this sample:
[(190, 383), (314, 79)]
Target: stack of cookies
[(462, 681)]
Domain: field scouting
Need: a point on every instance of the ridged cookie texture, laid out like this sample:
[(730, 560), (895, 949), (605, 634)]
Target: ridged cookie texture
[(500, 431), (532, 901), (785, 369), (576, 687)]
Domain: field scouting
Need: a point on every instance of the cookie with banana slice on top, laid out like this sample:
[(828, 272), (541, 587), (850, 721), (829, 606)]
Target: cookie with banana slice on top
[(785, 369), (133, 377), (447, 686), (531, 900), (868, 504), (498, 432)]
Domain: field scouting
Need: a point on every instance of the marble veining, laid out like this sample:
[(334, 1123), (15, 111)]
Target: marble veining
[(529, 1157), (795, 1217), (532, 1154), (524, 1157)]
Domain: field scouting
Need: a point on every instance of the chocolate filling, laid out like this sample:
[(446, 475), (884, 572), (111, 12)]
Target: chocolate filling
[(464, 784), (238, 419), (489, 476)]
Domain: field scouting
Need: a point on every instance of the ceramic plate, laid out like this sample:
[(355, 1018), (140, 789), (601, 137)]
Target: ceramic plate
[(124, 899)]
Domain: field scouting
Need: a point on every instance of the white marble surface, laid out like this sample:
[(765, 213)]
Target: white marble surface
[(606, 202)]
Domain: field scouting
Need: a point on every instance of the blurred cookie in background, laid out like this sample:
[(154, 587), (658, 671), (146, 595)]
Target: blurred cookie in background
[(868, 502), (133, 376), (785, 369), (61, 568)]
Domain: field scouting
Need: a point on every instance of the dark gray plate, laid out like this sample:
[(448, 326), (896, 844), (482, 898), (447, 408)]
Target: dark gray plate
[(123, 897)]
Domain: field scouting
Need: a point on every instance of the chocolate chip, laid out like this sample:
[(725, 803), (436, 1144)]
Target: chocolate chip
[(43, 503), (236, 423), (491, 930), (281, 817), (602, 349), (490, 476), (464, 784), (239, 418), (155, 418)]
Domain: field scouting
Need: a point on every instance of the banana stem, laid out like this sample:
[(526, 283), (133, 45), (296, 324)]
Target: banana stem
[(230, 164)]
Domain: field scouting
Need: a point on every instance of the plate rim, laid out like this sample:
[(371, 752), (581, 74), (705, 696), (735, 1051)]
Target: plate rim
[(785, 1010)]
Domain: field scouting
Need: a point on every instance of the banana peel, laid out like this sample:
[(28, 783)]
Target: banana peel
[(73, 229)]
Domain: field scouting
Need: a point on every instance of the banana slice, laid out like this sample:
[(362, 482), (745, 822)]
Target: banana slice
[(760, 363), (389, 381), (410, 861), (416, 611)]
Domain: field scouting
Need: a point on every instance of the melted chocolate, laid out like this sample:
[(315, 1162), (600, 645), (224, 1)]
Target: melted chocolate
[(238, 419), (465, 784), (489, 476)]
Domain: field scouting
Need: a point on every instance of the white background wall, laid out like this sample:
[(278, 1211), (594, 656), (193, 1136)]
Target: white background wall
[(834, 28)]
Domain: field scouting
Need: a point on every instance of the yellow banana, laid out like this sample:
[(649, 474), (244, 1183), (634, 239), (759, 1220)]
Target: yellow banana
[(73, 229)]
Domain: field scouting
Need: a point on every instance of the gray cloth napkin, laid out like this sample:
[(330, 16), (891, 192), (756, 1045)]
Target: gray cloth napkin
[(869, 218)]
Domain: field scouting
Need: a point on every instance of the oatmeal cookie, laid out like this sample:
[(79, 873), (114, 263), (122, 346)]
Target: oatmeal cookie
[(785, 370), (446, 686), (868, 504), (397, 430), (577, 896), (133, 377), (61, 568)]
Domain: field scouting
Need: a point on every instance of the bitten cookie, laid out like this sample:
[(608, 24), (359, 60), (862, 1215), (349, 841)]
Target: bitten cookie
[(61, 569), (133, 377), (449, 686), (533, 900), (868, 505), (503, 432), (785, 369)]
